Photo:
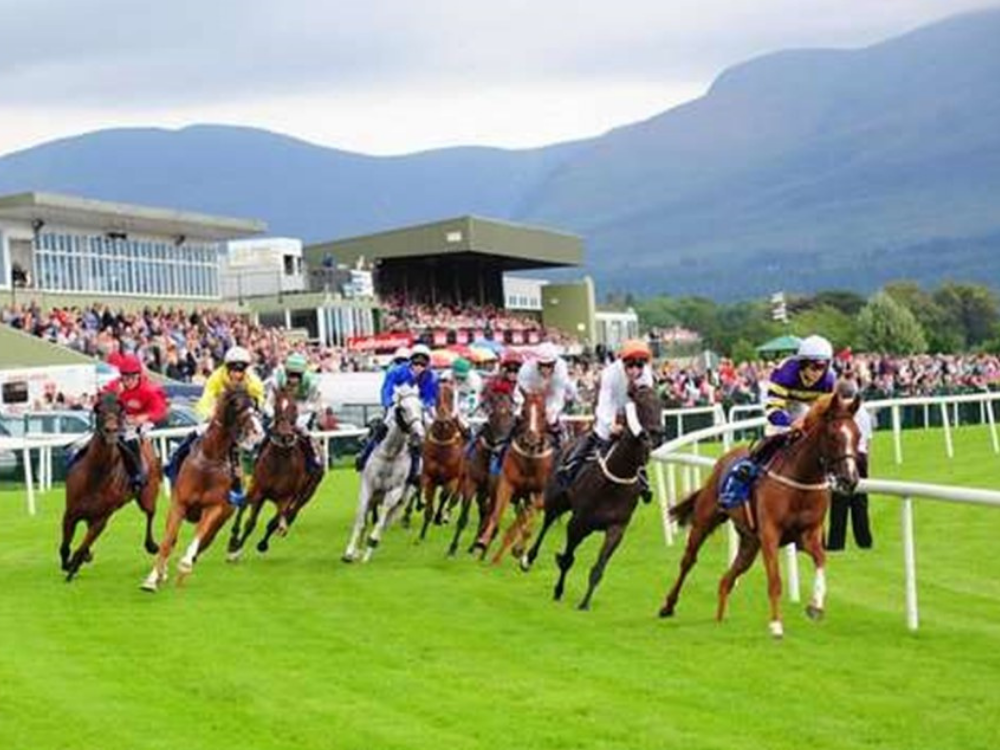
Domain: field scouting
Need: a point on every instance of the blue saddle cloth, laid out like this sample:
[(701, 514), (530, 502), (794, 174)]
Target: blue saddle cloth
[(737, 484)]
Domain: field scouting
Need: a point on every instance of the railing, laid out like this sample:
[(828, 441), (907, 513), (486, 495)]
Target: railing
[(907, 491)]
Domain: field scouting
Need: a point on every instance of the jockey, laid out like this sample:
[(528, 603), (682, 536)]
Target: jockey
[(145, 404), (235, 370), (416, 372), (468, 389), (794, 386), (549, 374), (294, 375), (505, 381), (630, 369)]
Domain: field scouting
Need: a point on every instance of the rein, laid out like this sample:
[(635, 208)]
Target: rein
[(544, 454), (797, 485), (602, 462)]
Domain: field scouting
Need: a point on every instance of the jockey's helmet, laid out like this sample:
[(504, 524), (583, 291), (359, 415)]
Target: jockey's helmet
[(546, 353), (237, 355), (511, 361), (296, 364), (130, 365), (402, 354), (461, 367), (635, 349), (420, 355), (815, 348)]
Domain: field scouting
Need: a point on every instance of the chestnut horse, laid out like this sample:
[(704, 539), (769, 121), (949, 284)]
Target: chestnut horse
[(200, 493), (603, 495), (527, 466), (788, 504), (478, 479), (97, 485), (443, 456), (280, 474)]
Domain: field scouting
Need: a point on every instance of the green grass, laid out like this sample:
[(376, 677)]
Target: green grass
[(296, 650)]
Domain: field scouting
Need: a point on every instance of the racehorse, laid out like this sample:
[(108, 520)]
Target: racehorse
[(443, 457), (787, 505), (603, 495), (200, 494), (526, 469), (384, 477), (97, 485), (478, 479), (280, 474)]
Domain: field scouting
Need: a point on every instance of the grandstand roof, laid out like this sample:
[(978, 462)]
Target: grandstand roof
[(105, 216), (512, 246)]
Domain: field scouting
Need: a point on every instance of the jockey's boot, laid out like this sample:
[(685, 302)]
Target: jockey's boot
[(644, 491), (174, 466), (414, 476), (132, 458), (570, 466), (377, 431)]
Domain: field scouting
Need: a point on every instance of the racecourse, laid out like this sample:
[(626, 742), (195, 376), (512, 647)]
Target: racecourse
[(297, 650)]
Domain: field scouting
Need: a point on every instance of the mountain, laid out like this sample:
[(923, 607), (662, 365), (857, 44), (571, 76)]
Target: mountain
[(801, 170)]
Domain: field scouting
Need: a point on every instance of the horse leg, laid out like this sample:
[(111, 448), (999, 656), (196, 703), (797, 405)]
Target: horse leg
[(393, 499), (465, 496), (813, 543), (555, 506), (745, 555), (514, 531), (504, 491), (159, 572), (360, 520), (412, 496), (612, 538), (536, 503), (238, 537), (575, 534), (702, 525), (211, 519), (769, 540), (427, 489), (146, 501), (69, 528), (301, 499), (82, 554)]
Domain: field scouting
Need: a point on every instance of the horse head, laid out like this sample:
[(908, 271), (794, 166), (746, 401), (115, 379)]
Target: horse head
[(831, 420), (444, 408), (500, 408), (237, 415), (644, 415), (109, 416), (286, 416), (408, 411), (532, 432)]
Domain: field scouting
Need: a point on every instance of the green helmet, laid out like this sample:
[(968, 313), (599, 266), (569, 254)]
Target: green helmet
[(296, 364), (461, 367)]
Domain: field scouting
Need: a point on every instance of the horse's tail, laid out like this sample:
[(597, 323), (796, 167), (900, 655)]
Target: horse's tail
[(683, 511)]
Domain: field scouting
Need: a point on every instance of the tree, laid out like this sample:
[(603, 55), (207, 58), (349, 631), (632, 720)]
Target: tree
[(942, 336), (971, 311), (886, 326)]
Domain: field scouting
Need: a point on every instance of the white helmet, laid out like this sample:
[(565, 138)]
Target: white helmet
[(401, 353), (420, 350), (547, 353), (237, 355), (815, 347)]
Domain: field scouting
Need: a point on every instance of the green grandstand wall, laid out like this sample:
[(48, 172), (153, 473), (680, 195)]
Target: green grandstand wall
[(19, 349)]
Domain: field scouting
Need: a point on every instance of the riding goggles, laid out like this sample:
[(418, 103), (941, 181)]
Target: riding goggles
[(236, 367), (633, 363)]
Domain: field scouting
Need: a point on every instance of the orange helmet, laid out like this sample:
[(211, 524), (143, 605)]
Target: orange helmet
[(635, 349)]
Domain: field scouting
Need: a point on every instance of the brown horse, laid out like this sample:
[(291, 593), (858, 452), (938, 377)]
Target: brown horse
[(787, 505), (280, 474), (200, 493), (97, 485), (443, 457), (603, 495), (527, 466), (478, 480)]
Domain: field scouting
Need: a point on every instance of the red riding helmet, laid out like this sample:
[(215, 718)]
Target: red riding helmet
[(130, 365), (511, 357)]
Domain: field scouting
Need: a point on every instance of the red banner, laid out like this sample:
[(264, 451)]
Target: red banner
[(379, 342)]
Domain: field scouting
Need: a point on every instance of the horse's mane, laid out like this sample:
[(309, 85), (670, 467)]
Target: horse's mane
[(830, 404), (234, 399)]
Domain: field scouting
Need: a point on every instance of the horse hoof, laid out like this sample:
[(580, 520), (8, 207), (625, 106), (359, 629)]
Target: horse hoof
[(184, 567), (347, 558), (262, 546), (776, 629), (666, 611), (234, 555), (583, 606), (524, 563), (404, 522), (814, 612), (152, 548), (150, 584)]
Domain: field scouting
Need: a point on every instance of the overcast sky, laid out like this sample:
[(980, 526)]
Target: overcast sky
[(397, 76)]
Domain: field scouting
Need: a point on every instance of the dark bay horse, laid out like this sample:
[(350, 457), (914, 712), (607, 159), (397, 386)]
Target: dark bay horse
[(478, 479), (98, 484), (280, 474), (443, 456), (200, 493), (787, 505), (527, 466), (603, 495)]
